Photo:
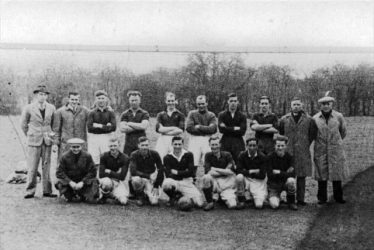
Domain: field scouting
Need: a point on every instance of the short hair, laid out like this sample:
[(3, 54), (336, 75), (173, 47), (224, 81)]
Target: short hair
[(134, 93), (264, 97), (231, 95), (73, 93), (200, 97), (167, 94), (113, 139), (281, 138), (142, 139), (176, 138), (213, 138), (251, 139)]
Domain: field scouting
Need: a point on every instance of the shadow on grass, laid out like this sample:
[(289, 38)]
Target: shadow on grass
[(348, 226)]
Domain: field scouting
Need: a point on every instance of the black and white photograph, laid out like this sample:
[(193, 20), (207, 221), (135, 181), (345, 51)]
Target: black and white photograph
[(211, 124)]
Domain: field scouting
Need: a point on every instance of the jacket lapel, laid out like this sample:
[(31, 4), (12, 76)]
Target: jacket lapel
[(36, 111)]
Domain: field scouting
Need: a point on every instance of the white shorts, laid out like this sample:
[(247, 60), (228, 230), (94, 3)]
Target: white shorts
[(120, 190), (98, 144), (224, 186), (145, 185), (186, 188), (163, 145), (257, 188), (198, 146)]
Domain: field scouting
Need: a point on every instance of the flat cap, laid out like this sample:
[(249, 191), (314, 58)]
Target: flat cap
[(42, 89), (326, 99), (75, 141), (101, 92)]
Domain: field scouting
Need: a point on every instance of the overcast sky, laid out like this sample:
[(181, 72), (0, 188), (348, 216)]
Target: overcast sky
[(193, 24)]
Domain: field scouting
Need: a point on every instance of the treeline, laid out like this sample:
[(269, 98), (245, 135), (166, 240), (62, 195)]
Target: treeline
[(211, 74)]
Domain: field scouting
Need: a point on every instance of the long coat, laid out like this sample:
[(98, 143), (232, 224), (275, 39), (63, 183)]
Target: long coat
[(35, 127), (300, 136), (329, 156)]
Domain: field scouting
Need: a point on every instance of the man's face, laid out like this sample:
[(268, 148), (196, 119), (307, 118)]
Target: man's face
[(201, 104), (296, 106), (170, 101), (113, 147), (74, 100), (280, 147), (252, 147), (326, 106), (101, 100), (264, 105), (134, 101), (41, 97), (143, 146), (76, 148), (233, 103), (215, 145), (177, 146)]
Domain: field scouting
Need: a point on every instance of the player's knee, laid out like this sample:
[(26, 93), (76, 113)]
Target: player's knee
[(167, 184), (198, 201), (123, 200), (136, 182), (259, 203), (153, 201), (231, 203), (207, 181), (240, 178), (291, 185), (274, 202)]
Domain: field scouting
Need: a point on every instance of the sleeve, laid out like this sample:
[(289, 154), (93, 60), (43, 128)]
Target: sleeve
[(190, 170), (167, 166), (342, 127), (56, 128), (190, 124), (25, 119), (230, 130), (313, 130), (61, 171), (91, 173), (207, 165), (263, 169), (230, 160), (181, 121), (134, 168), (158, 122), (123, 117), (240, 168), (160, 173), (90, 122), (145, 116), (275, 122), (113, 122), (102, 167), (123, 170), (212, 127), (281, 126), (254, 120)]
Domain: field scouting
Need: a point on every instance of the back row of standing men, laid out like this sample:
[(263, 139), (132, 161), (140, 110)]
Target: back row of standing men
[(45, 126)]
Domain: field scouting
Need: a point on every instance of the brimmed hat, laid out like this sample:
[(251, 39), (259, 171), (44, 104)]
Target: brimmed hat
[(134, 92), (75, 141), (41, 88), (101, 92), (326, 98)]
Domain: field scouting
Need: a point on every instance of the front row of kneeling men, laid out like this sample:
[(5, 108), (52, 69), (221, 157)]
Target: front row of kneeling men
[(255, 176)]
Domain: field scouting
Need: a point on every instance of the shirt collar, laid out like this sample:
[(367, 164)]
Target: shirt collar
[(249, 155), (176, 157)]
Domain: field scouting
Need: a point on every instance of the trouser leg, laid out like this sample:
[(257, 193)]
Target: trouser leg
[(46, 166), (33, 158), (300, 189), (322, 191), (337, 190)]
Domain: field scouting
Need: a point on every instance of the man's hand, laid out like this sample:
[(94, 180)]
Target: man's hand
[(97, 125), (153, 177), (107, 171), (275, 171), (73, 185), (222, 125), (79, 185), (198, 126), (175, 172), (290, 170), (236, 128), (109, 124), (254, 171)]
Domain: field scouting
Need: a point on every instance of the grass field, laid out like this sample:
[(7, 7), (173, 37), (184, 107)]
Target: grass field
[(43, 223)]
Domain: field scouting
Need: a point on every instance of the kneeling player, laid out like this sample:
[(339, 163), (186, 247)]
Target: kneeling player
[(219, 177), (146, 172), (113, 169), (251, 169), (281, 175), (179, 171), (76, 174)]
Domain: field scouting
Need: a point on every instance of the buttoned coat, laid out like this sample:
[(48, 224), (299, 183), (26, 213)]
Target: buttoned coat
[(329, 155), (34, 126), (300, 136)]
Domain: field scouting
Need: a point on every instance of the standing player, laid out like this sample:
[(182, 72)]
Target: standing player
[(70, 121), (169, 123), (265, 124), (251, 176), (281, 175), (232, 124), (329, 156), (113, 169), (101, 124), (179, 171), (201, 124), (219, 176), (36, 124), (301, 130), (146, 173), (134, 122)]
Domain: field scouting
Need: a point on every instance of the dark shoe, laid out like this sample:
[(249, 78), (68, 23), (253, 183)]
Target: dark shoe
[(241, 205), (29, 196), (139, 202), (341, 201), (50, 195), (322, 202), (292, 206), (101, 201), (301, 203), (209, 206)]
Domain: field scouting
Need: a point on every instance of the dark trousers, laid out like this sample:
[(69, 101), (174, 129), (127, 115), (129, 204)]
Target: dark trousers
[(300, 188), (336, 187)]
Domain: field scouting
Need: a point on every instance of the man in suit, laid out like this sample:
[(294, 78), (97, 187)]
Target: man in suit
[(36, 123)]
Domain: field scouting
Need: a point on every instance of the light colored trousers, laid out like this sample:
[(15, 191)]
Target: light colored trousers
[(257, 188), (225, 186), (144, 185), (33, 158), (120, 190), (98, 144), (163, 145), (199, 146), (186, 188)]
